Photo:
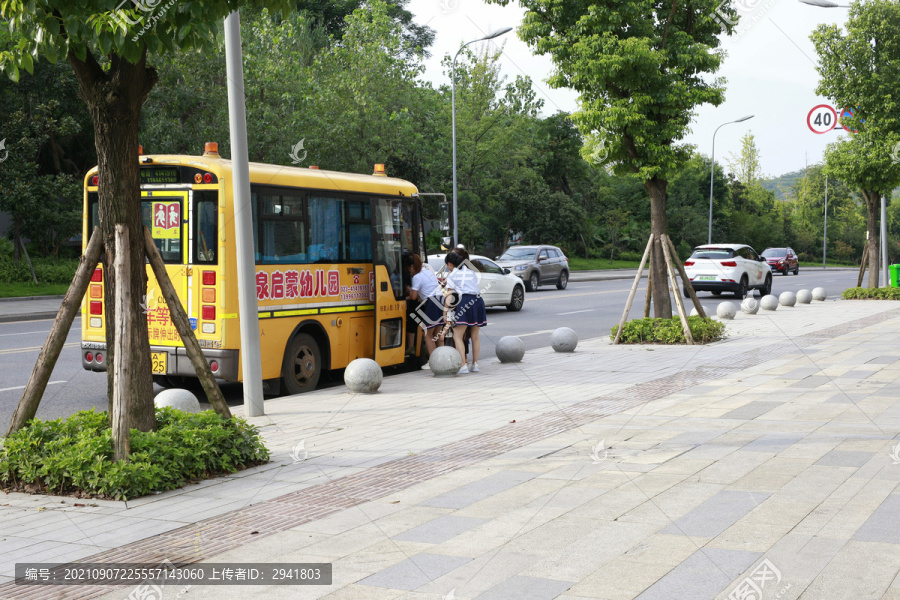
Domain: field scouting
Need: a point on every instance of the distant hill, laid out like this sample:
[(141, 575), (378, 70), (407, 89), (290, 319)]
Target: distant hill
[(782, 184)]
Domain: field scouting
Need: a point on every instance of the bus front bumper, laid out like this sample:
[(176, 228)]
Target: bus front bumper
[(177, 361)]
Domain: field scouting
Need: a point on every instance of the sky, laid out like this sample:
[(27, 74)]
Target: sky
[(769, 71)]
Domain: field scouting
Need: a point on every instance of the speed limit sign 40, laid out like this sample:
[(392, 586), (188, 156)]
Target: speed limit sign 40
[(821, 119)]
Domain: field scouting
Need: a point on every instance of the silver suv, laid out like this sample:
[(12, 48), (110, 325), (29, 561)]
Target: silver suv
[(536, 265)]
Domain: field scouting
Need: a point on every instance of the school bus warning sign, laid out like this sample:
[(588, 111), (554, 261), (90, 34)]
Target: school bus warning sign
[(166, 220)]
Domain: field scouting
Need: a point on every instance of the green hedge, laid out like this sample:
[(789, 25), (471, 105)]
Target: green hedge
[(75, 455), (48, 270), (668, 331), (884, 293)]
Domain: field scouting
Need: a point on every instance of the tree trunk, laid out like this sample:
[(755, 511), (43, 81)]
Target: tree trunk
[(873, 210), (662, 303), (114, 98)]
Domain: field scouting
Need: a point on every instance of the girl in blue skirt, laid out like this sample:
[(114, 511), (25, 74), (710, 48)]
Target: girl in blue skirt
[(469, 312)]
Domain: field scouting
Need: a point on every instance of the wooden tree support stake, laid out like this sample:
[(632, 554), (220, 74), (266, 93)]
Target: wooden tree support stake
[(649, 295), (862, 264), (678, 303), (43, 368), (634, 287), (121, 359), (183, 325), (685, 280)]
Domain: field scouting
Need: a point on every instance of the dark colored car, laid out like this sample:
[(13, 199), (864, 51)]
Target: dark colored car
[(782, 260)]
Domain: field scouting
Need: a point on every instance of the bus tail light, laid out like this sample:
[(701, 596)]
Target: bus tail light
[(89, 356), (95, 180), (96, 291), (99, 358), (214, 365), (209, 295), (97, 275), (207, 178), (96, 308), (209, 313), (209, 278)]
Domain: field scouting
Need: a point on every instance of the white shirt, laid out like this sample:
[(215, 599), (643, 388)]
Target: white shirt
[(426, 284), (463, 281)]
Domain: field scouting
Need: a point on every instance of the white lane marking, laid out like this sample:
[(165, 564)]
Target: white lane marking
[(22, 387), (25, 333), (535, 333), (575, 312)]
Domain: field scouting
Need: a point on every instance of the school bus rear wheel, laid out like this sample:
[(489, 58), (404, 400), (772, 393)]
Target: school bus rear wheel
[(302, 364)]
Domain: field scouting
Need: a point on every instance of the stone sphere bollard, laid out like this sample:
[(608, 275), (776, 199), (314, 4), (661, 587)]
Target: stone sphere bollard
[(564, 340), (694, 312), (769, 302), (804, 296), (819, 294), (510, 349), (363, 376), (445, 361), (726, 310), (787, 299), (177, 398), (750, 306)]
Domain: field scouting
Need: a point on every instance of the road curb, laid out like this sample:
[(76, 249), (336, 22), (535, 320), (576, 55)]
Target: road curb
[(38, 316)]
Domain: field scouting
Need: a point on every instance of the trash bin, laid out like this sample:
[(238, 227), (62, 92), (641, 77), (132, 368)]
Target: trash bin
[(894, 272)]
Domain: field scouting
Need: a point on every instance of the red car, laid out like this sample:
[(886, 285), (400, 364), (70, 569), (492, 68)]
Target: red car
[(782, 260)]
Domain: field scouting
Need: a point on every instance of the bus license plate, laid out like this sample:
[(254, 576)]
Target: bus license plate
[(707, 277), (158, 361)]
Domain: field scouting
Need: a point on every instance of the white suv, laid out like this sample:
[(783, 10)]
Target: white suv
[(733, 268)]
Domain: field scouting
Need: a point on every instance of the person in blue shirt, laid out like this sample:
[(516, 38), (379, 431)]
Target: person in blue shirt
[(469, 312)]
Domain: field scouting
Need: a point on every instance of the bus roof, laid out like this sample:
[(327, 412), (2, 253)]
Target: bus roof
[(280, 175)]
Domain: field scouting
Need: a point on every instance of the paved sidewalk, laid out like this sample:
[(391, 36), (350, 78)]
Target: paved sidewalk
[(32, 307), (613, 472)]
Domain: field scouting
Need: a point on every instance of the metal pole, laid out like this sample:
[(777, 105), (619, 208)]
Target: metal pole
[(885, 279), (251, 367), (453, 119), (825, 232), (712, 172), (489, 36)]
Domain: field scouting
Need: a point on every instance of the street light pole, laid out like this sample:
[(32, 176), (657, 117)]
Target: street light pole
[(489, 36), (712, 170), (825, 232)]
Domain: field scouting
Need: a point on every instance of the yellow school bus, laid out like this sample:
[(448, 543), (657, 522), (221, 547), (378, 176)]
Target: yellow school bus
[(330, 277)]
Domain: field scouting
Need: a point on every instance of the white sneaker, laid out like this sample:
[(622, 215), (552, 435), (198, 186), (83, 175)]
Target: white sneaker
[(463, 370), (474, 368), (426, 367)]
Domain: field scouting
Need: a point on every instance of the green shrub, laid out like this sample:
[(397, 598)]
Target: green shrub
[(47, 269), (883, 293), (75, 455), (668, 331), (6, 247)]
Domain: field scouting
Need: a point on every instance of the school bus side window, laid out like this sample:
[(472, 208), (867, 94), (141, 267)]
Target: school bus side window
[(283, 228), (206, 223)]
